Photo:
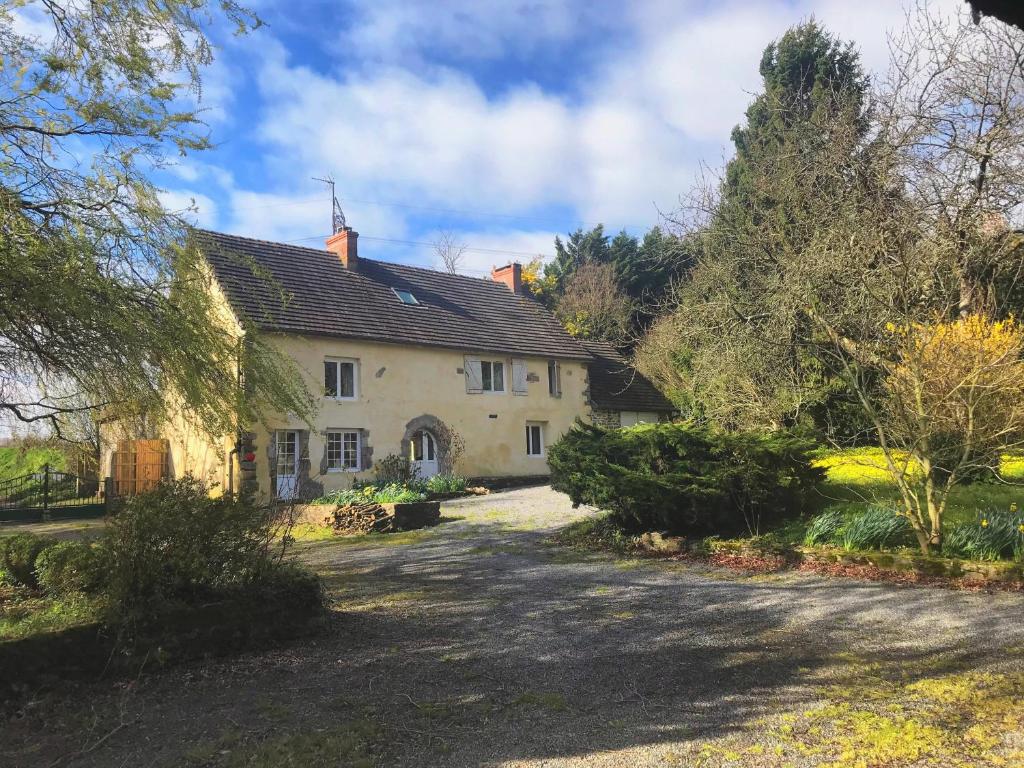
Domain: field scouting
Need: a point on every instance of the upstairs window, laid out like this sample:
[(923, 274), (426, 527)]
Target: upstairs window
[(492, 375), (343, 451), (405, 297), (340, 379), (554, 378), (484, 375)]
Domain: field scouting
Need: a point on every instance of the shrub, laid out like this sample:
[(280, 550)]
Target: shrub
[(394, 469), (18, 556), (686, 479), (875, 528), (994, 535), (446, 484), (393, 493), (69, 567), (177, 544), (824, 529)]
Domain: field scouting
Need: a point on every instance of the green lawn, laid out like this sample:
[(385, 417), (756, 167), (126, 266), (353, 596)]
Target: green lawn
[(858, 478), (16, 461)]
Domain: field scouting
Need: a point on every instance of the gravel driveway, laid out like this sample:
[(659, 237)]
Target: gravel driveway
[(479, 642)]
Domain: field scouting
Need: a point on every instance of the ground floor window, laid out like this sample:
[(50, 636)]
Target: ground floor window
[(343, 451), (534, 439)]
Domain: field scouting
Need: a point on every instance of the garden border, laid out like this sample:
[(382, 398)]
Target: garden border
[(974, 571)]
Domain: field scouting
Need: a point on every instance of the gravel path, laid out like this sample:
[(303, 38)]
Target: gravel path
[(479, 642)]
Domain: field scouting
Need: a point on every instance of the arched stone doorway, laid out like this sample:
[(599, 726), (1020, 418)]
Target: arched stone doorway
[(420, 444)]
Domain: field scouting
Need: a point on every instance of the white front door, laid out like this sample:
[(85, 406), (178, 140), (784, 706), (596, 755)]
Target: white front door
[(287, 463), (423, 454)]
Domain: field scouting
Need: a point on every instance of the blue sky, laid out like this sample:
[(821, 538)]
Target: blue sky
[(505, 122)]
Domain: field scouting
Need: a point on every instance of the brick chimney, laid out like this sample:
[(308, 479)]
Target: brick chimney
[(343, 244), (511, 275)]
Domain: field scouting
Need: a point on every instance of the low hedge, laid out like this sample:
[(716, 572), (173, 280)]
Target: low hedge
[(67, 567), (685, 479), (18, 555)]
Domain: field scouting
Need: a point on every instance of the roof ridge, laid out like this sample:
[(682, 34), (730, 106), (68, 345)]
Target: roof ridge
[(215, 233), (324, 251), (327, 299)]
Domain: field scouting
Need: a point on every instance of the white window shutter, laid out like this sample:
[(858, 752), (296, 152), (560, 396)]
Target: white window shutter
[(474, 378), (519, 377)]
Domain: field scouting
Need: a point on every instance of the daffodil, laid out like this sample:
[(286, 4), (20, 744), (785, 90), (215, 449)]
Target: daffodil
[(984, 523), (1020, 528)]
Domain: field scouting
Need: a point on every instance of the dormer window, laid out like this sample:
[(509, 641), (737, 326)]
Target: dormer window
[(405, 297)]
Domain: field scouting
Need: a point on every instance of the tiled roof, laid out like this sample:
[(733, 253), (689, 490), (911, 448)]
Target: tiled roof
[(292, 289), (616, 385)]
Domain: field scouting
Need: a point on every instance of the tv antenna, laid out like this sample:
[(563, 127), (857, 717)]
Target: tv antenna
[(337, 215)]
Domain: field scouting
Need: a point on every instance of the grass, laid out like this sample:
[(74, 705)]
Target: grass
[(17, 461), (354, 744), (875, 714), (594, 534), (857, 481), (24, 616), (540, 701), (857, 478)]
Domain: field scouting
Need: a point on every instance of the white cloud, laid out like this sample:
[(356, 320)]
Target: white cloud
[(440, 139), (303, 216), (620, 142), (395, 30), (497, 247), (194, 207)]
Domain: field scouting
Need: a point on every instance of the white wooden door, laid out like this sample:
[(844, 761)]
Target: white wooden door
[(423, 454), (287, 464)]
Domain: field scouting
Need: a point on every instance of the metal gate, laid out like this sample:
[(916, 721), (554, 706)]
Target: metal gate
[(50, 495)]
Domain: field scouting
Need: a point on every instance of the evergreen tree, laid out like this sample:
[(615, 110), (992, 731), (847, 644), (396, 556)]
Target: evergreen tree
[(755, 374)]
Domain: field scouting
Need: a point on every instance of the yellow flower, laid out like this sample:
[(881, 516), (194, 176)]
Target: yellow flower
[(984, 523), (1013, 506), (1021, 527)]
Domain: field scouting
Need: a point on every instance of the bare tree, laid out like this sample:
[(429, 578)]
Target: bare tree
[(449, 251), (594, 306)]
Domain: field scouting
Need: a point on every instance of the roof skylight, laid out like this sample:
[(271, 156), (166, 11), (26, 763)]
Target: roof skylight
[(405, 297)]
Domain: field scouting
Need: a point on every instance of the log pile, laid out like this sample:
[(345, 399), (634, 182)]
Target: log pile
[(356, 519)]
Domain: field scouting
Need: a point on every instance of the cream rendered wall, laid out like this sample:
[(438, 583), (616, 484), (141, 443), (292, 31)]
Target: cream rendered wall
[(396, 384), (192, 450)]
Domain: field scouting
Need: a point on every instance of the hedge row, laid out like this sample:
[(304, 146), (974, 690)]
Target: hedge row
[(684, 479)]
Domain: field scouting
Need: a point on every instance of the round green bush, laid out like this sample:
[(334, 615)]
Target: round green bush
[(685, 479), (69, 567), (18, 557)]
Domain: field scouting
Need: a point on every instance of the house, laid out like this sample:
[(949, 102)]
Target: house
[(619, 396), (400, 358)]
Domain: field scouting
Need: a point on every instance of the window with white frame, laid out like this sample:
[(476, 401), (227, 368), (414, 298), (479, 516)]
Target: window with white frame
[(534, 439), (492, 375), (341, 378), (343, 451), (554, 379)]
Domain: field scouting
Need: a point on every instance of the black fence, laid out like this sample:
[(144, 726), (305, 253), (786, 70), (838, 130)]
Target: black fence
[(51, 495)]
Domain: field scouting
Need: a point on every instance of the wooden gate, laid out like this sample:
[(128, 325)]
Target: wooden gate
[(138, 465)]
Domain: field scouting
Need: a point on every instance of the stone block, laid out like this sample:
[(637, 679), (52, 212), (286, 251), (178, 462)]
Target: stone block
[(416, 514)]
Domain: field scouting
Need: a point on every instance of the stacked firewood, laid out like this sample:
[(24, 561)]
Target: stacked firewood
[(362, 518)]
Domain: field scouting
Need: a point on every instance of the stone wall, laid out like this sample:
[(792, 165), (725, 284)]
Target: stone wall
[(606, 418)]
